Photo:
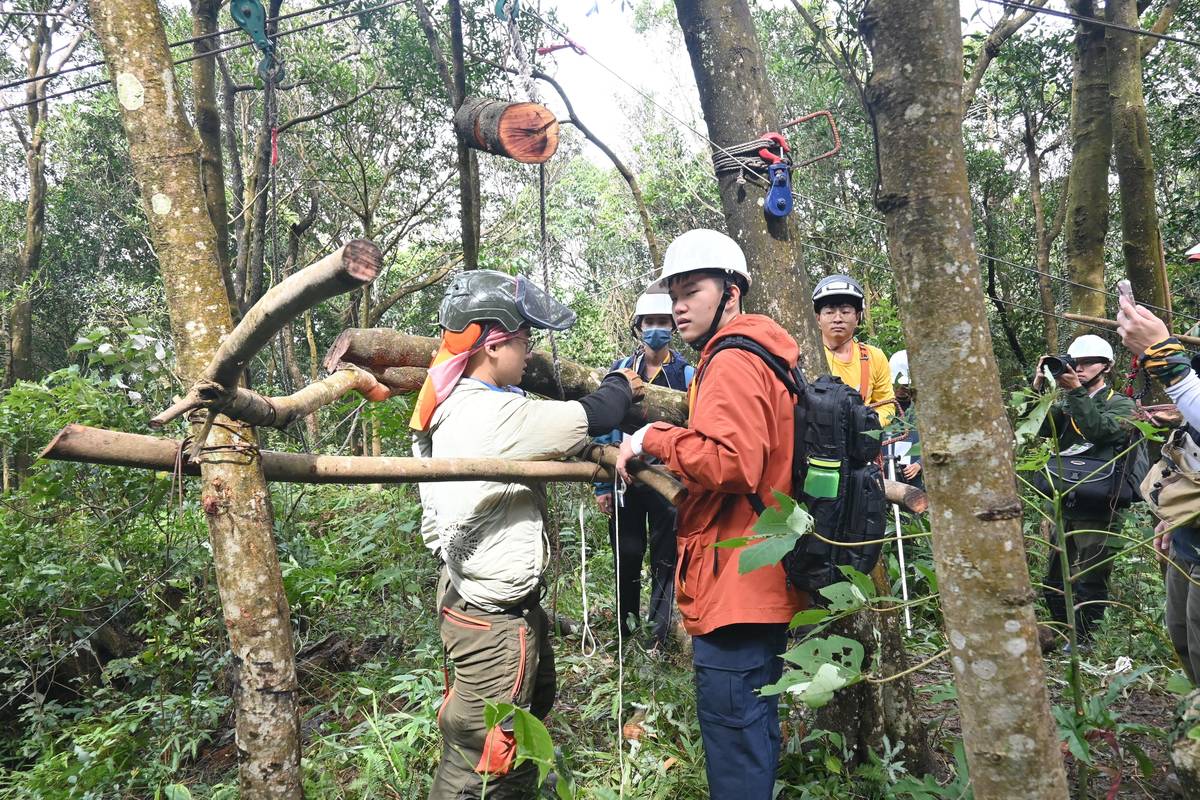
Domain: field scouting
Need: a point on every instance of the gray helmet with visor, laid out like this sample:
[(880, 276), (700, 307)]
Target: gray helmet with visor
[(511, 300)]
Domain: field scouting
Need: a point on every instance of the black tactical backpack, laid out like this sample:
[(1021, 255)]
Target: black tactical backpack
[(834, 473)]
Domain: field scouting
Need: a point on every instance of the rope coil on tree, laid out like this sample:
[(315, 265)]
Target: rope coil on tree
[(744, 157)]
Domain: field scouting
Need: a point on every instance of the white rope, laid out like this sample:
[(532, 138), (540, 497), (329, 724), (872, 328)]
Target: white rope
[(587, 639), (618, 501), (900, 552)]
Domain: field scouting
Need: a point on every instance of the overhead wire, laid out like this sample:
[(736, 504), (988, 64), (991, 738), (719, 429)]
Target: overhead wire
[(179, 43), (1052, 12), (209, 53), (726, 152)]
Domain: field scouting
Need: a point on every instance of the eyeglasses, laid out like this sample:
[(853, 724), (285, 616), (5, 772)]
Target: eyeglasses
[(528, 342), (840, 311)]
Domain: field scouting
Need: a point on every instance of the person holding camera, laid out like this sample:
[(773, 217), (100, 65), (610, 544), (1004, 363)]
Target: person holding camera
[(1087, 424), (1178, 533)]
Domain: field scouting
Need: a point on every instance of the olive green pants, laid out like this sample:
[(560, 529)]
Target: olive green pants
[(497, 657)]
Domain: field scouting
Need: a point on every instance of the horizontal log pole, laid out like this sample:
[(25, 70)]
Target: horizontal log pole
[(398, 361), (1101, 322), (83, 444), (655, 478)]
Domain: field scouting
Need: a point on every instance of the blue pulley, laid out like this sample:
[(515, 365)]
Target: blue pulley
[(779, 198)]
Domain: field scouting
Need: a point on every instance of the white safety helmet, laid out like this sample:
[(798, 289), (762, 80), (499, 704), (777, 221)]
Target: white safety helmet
[(899, 364), (1091, 346), (701, 249), (651, 304), (1193, 254)]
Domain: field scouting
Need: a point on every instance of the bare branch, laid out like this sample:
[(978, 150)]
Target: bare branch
[(1008, 25), (1160, 26)]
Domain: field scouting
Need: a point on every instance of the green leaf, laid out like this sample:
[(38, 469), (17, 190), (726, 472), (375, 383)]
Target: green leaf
[(737, 541), (766, 551), (823, 666), (929, 575), (1028, 427), (1178, 683), (808, 617), (533, 742), (177, 791), (844, 596), (1194, 732), (860, 580)]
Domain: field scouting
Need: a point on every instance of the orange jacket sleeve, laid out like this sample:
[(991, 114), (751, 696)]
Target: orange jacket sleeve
[(726, 445)]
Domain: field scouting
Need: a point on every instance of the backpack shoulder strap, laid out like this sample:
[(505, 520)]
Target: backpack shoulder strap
[(864, 371)]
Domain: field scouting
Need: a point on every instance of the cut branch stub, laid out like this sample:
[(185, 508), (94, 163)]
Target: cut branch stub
[(351, 266), (525, 132)]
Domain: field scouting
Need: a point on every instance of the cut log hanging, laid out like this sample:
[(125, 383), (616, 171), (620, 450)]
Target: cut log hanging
[(83, 444), (525, 132)]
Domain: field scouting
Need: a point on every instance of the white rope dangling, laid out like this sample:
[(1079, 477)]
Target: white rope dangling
[(587, 640)]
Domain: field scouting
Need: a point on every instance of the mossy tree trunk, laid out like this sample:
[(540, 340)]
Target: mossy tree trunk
[(915, 97), (1140, 235), (739, 106), (166, 160), (1086, 224)]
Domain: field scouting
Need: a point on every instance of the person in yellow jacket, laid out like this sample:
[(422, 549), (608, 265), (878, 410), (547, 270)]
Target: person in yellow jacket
[(838, 304)]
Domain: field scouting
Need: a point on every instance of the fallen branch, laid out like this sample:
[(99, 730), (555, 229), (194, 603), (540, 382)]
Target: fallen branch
[(255, 409), (381, 349), (354, 264)]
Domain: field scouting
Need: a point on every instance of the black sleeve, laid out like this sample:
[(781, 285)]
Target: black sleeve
[(607, 406)]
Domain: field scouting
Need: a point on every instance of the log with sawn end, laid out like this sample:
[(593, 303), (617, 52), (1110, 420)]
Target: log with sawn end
[(399, 360)]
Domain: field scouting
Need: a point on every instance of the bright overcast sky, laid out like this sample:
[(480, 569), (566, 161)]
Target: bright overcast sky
[(660, 68)]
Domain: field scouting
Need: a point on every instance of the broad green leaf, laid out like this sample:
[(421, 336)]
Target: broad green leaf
[(177, 791), (766, 551), (1028, 427), (860, 580), (1178, 683), (844, 596), (809, 616)]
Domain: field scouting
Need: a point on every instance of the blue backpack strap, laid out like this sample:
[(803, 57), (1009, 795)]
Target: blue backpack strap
[(689, 372)]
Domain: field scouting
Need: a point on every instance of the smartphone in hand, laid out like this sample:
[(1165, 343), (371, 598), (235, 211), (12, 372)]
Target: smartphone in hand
[(1125, 289)]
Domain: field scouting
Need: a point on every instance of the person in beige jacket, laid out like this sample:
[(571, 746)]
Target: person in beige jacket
[(491, 535)]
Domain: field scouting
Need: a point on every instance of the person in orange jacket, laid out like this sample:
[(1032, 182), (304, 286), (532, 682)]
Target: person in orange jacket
[(738, 443)]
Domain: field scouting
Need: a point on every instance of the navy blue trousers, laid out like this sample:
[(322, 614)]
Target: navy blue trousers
[(740, 728)]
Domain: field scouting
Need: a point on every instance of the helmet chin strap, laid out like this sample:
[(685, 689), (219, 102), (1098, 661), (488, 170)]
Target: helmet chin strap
[(1098, 377), (703, 341)]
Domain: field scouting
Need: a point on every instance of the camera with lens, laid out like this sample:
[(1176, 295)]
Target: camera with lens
[(1059, 364)]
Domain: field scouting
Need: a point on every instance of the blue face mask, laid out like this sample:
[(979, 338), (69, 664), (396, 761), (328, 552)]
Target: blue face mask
[(656, 338)]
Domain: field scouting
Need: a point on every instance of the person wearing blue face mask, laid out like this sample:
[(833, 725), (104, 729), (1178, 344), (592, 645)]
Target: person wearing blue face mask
[(640, 515)]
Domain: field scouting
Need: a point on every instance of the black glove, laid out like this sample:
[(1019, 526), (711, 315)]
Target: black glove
[(607, 406)]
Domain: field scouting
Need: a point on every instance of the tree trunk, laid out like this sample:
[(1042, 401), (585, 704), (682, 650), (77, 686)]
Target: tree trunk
[(915, 96), (166, 163), (524, 132), (739, 106), (1045, 238), (1091, 146), (1141, 238), (20, 346), (468, 161), (208, 126)]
